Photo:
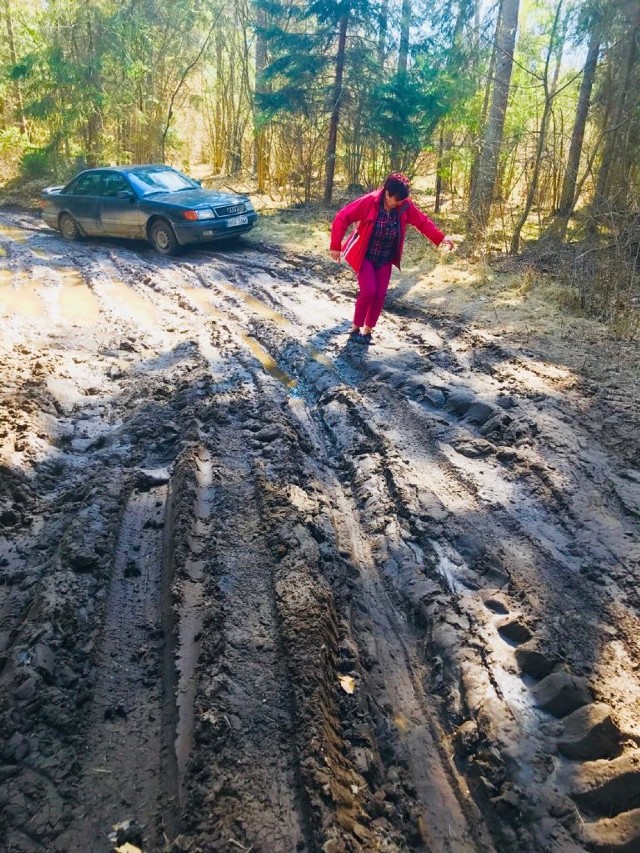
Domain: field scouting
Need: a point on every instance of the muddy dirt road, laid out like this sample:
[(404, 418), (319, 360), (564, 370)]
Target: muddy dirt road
[(264, 589)]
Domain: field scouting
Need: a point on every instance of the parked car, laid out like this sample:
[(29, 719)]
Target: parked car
[(153, 202)]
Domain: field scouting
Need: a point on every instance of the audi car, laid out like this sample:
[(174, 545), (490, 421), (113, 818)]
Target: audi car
[(153, 202)]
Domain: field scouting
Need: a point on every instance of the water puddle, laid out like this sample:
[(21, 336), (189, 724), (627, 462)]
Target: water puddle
[(16, 234), (257, 305), (76, 301), (204, 300), (321, 358), (40, 253), (130, 305), (19, 295), (268, 363)]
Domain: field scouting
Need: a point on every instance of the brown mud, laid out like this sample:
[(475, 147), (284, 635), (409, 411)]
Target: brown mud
[(265, 589)]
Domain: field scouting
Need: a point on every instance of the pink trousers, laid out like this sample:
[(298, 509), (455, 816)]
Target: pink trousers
[(373, 285)]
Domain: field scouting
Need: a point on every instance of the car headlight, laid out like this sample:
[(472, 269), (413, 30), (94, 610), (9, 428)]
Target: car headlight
[(194, 215)]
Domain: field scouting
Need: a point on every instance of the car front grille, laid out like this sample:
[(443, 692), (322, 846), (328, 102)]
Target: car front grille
[(230, 209)]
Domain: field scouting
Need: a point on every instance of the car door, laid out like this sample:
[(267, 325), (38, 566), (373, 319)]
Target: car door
[(81, 200), (118, 209)]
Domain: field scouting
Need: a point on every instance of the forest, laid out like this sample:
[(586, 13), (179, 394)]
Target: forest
[(273, 580), (520, 118)]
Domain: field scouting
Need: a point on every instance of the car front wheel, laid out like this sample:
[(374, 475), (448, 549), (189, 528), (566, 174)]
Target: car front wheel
[(163, 239), (69, 227)]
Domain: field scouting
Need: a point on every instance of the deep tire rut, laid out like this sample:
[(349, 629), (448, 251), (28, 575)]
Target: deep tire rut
[(120, 770), (244, 697), (263, 589)]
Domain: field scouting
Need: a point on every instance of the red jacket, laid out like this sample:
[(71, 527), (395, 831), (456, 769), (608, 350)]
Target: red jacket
[(364, 211)]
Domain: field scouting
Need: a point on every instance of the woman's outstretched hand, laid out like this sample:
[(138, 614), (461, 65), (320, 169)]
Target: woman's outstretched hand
[(335, 254), (448, 242)]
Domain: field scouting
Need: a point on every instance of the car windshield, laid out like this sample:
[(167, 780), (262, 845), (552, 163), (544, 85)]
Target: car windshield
[(149, 181)]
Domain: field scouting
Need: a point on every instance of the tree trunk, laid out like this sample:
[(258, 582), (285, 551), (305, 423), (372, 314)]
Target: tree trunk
[(383, 26), (94, 121), (405, 26), (401, 70), (558, 227), (439, 168), (218, 119), (485, 102), (549, 94), (335, 112), (600, 198), (482, 197)]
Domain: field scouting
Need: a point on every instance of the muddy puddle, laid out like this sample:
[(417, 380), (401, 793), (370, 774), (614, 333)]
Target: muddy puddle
[(19, 296), (263, 589), (76, 302), (129, 305), (10, 234)]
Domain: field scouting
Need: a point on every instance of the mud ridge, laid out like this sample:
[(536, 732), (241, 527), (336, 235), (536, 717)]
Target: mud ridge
[(263, 588)]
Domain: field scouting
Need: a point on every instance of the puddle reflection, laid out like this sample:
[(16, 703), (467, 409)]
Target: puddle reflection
[(19, 295), (257, 305), (16, 234), (205, 298), (130, 304), (76, 301), (268, 363)]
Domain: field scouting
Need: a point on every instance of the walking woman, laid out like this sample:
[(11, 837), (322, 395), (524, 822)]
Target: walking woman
[(377, 243)]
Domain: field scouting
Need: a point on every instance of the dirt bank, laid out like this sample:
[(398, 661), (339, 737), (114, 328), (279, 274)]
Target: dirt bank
[(263, 589)]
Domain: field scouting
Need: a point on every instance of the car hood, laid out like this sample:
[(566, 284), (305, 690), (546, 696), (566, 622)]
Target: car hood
[(195, 198)]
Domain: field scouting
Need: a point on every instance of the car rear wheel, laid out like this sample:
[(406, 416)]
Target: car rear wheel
[(69, 227), (163, 239)]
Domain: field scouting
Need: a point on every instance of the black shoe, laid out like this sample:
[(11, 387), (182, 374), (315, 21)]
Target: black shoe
[(365, 339), (354, 335)]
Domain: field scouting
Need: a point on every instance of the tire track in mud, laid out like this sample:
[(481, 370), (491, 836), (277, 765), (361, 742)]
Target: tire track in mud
[(396, 683), (476, 695), (121, 763), (243, 697), (470, 489), (572, 588), (399, 739), (417, 523)]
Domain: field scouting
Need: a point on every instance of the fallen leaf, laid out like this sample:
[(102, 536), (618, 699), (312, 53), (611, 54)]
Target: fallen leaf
[(348, 683), (128, 848)]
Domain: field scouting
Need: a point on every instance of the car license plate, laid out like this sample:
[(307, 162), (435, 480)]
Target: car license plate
[(237, 220)]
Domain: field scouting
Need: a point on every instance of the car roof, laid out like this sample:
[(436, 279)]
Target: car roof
[(143, 166), (127, 169)]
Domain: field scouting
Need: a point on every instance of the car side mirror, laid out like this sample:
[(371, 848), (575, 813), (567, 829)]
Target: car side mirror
[(126, 194), (195, 181)]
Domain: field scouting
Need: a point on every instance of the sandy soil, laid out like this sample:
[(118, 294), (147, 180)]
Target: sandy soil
[(265, 589)]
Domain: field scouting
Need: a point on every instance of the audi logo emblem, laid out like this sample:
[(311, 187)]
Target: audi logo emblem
[(236, 208)]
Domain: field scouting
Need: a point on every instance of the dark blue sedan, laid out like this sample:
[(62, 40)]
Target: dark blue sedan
[(156, 203)]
